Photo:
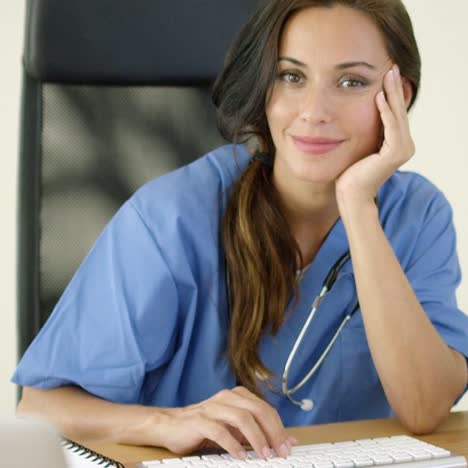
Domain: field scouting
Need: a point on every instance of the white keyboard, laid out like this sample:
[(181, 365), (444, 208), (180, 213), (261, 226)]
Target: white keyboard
[(401, 451)]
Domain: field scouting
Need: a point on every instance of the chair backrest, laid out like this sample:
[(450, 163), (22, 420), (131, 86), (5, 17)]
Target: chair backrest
[(115, 93)]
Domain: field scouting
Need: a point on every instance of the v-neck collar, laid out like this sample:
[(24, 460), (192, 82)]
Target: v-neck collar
[(334, 245)]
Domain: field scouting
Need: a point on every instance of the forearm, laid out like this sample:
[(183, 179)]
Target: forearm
[(211, 423), (82, 416), (411, 358)]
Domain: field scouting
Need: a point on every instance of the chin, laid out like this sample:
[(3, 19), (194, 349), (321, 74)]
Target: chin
[(318, 176), (325, 170)]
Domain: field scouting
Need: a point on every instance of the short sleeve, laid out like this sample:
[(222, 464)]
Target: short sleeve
[(434, 273), (116, 320)]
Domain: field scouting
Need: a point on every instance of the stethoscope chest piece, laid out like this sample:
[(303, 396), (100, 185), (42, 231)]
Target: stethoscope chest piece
[(307, 405)]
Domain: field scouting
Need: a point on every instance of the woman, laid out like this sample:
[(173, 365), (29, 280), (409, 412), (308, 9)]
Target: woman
[(177, 330)]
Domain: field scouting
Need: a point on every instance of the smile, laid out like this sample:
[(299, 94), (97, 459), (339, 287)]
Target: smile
[(315, 145)]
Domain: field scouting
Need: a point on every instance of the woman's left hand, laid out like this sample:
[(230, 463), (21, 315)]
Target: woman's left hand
[(361, 181)]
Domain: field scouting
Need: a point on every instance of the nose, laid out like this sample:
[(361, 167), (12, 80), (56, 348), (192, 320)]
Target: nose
[(317, 106)]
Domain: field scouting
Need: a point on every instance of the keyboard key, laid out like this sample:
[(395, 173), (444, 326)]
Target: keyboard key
[(343, 464), (363, 462), (401, 457), (212, 457), (190, 459), (438, 452), (420, 454), (382, 460)]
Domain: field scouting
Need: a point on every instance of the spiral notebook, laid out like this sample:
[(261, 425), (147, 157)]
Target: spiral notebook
[(26, 442), (78, 456)]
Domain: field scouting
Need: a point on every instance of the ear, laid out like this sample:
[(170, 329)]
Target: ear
[(407, 90)]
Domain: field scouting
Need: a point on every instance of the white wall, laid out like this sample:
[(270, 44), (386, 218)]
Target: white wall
[(11, 39), (438, 123), (439, 120)]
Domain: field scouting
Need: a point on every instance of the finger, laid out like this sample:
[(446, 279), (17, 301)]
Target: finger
[(238, 435), (293, 440), (404, 112), (401, 139), (391, 91), (398, 146), (391, 129), (219, 434), (268, 419), (394, 88), (401, 91), (242, 420)]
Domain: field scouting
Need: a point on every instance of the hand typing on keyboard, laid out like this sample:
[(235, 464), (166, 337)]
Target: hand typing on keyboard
[(229, 419), (395, 452)]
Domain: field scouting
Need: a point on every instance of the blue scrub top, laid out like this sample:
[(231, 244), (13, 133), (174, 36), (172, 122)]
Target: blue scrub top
[(145, 318)]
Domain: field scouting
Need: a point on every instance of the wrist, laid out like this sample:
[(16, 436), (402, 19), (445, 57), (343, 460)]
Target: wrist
[(357, 209), (143, 425)]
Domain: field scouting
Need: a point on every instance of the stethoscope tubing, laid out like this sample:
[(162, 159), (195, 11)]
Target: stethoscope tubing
[(327, 285)]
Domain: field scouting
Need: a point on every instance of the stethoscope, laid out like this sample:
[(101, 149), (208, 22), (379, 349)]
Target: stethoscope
[(307, 404)]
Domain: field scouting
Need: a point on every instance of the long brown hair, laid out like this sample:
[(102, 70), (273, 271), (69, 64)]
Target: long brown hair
[(262, 255)]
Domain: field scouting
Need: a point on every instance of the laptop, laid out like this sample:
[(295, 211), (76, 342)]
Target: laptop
[(30, 443)]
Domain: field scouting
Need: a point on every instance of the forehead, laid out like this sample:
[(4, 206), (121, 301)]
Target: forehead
[(332, 35)]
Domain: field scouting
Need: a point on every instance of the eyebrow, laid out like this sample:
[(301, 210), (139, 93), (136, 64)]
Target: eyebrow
[(340, 66)]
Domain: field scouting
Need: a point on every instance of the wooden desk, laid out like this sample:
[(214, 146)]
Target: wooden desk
[(452, 435)]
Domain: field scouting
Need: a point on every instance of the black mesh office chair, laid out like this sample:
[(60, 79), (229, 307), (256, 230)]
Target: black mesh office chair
[(115, 93)]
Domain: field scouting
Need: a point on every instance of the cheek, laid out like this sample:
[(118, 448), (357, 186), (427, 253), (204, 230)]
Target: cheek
[(280, 111), (278, 114), (365, 123)]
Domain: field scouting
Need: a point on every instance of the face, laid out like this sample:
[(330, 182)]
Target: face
[(320, 92)]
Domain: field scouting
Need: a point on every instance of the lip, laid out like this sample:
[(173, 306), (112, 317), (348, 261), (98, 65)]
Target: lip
[(316, 145)]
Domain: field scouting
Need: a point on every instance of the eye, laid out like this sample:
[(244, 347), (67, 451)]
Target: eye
[(290, 77), (353, 83)]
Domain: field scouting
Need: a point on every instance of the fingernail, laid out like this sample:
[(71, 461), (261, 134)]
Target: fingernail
[(267, 453), (293, 440), (242, 454), (381, 98), (391, 74), (284, 450)]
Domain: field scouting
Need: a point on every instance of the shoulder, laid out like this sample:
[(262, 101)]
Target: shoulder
[(181, 211), (411, 196), (196, 185), (416, 216)]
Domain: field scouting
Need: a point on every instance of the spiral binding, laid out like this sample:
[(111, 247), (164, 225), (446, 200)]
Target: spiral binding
[(90, 455)]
